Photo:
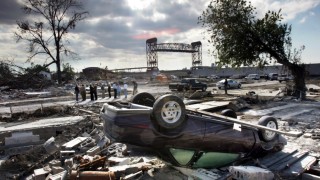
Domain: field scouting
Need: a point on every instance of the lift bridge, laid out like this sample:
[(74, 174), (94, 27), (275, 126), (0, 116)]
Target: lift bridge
[(152, 49)]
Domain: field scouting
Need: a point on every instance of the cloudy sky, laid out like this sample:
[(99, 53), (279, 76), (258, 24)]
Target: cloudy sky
[(115, 32)]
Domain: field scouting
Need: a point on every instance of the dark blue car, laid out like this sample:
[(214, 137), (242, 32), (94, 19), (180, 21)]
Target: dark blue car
[(184, 137)]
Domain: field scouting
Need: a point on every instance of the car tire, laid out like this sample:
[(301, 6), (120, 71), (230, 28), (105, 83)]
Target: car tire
[(228, 87), (204, 89), (219, 87), (143, 98), (169, 111), (229, 113), (270, 122), (239, 86)]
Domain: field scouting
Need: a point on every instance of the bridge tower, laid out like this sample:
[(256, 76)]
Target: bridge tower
[(152, 48)]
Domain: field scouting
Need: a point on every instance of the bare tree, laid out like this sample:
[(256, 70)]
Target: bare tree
[(47, 35)]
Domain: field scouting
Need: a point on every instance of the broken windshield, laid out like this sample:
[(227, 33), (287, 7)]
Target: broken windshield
[(205, 160)]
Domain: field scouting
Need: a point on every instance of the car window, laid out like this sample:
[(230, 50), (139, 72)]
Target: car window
[(182, 156), (215, 159)]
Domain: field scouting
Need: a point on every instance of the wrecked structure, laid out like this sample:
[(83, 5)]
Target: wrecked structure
[(66, 140)]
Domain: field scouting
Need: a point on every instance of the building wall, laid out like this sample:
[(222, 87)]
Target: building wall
[(95, 73)]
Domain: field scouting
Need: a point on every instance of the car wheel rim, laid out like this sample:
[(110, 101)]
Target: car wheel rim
[(272, 125), (171, 112)]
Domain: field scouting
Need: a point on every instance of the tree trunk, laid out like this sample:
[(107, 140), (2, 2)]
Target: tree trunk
[(59, 72), (58, 62), (299, 73)]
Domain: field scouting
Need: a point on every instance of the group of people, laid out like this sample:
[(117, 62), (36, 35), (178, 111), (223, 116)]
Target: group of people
[(117, 90), (93, 90), (80, 90)]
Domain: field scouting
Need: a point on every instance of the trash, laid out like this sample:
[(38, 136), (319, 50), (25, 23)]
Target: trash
[(67, 154), (119, 161), (93, 151), (199, 173), (250, 173), (93, 165), (74, 142), (118, 149), (59, 176), (50, 146), (238, 105), (40, 174)]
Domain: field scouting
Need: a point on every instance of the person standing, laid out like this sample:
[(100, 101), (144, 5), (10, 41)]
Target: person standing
[(76, 91), (225, 86), (109, 90), (135, 88), (91, 92), (119, 90), (83, 92), (103, 91), (125, 90), (95, 91), (114, 86)]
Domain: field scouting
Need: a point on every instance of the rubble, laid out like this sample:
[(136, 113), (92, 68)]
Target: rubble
[(250, 173), (80, 150)]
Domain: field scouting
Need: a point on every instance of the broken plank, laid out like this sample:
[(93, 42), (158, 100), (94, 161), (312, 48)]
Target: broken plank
[(42, 123), (87, 111)]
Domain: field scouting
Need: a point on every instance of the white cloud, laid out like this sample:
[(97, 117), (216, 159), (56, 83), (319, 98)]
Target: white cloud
[(139, 4), (303, 20), (289, 8)]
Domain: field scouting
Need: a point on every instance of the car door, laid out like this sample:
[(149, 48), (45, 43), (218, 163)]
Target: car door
[(220, 136), (231, 83), (196, 84)]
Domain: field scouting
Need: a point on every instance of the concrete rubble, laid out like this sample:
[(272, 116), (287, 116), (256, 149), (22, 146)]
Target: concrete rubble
[(70, 143)]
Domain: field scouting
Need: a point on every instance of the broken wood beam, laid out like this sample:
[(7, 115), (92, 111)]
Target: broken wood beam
[(90, 112)]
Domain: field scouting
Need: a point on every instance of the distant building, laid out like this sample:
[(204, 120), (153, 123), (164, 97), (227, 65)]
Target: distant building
[(96, 73)]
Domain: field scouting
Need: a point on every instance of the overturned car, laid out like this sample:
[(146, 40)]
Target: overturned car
[(187, 137)]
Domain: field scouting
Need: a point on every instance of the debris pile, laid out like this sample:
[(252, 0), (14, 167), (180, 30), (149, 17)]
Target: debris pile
[(82, 151), (90, 154), (10, 94)]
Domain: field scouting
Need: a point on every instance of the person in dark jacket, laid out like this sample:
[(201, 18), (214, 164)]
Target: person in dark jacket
[(95, 91), (77, 91), (109, 90), (91, 92), (83, 92), (225, 86), (103, 91)]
